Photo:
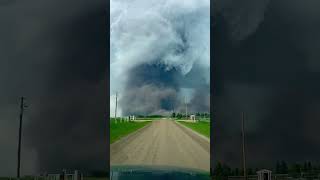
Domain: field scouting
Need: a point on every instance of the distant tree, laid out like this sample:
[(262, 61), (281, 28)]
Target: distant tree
[(226, 170), (250, 171), (305, 167), (218, 170), (241, 172), (232, 173), (221, 171), (295, 170), (310, 168), (236, 172), (173, 115), (256, 170), (283, 168), (278, 168), (179, 116), (155, 116), (298, 168)]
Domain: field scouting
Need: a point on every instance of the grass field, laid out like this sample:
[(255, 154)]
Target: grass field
[(204, 119), (200, 127), (119, 130)]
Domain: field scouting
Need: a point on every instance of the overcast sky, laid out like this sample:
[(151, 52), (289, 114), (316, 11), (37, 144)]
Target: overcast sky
[(159, 54), (266, 58), (53, 52)]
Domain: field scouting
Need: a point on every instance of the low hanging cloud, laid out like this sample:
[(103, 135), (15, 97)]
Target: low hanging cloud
[(159, 45), (53, 52), (270, 70)]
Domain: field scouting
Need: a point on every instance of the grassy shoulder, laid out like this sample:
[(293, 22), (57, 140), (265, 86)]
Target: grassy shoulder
[(200, 127), (121, 129)]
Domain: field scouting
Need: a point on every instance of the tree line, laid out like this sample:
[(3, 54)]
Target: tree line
[(150, 116), (176, 115), (198, 114), (222, 171)]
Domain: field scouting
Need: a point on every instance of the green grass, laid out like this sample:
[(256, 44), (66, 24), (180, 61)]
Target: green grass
[(200, 127), (119, 130), (204, 119)]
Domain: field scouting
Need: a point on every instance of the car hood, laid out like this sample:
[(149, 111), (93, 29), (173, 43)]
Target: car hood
[(130, 172)]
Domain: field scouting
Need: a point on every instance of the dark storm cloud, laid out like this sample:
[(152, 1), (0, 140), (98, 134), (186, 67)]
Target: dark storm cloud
[(243, 17), (149, 99), (54, 54), (153, 74), (152, 89), (200, 101), (158, 48), (271, 72)]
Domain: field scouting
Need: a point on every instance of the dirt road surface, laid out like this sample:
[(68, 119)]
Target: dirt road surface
[(163, 142)]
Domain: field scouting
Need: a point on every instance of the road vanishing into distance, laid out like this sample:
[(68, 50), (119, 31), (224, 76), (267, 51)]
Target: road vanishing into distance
[(162, 142)]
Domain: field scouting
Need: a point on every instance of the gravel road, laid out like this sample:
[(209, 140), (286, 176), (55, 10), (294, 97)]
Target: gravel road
[(162, 142)]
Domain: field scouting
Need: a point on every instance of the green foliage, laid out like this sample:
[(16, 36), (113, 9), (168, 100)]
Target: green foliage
[(204, 115), (278, 167), (236, 172), (310, 168), (250, 171), (298, 169), (218, 172), (199, 115), (155, 116), (179, 115), (283, 168), (222, 171), (295, 170)]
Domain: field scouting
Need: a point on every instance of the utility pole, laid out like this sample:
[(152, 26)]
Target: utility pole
[(243, 148), (22, 107), (185, 101), (115, 113), (172, 105)]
